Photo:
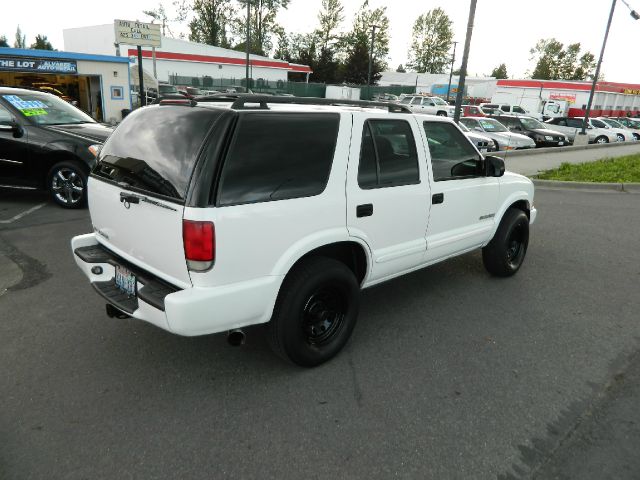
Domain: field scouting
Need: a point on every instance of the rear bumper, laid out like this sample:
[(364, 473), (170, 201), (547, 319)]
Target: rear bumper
[(189, 312)]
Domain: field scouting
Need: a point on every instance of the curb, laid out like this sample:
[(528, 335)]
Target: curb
[(617, 187), (568, 148)]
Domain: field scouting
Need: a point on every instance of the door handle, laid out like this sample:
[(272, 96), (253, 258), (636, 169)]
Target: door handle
[(365, 210), (437, 198), (129, 198)]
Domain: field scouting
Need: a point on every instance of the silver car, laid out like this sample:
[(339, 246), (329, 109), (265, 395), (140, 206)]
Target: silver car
[(504, 139), (482, 142), (628, 134)]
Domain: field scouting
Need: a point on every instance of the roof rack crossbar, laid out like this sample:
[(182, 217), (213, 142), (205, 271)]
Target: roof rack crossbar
[(241, 100)]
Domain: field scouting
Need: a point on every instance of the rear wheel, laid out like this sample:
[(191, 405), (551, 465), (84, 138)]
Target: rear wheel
[(505, 253), (620, 137), (315, 313), (67, 183), (601, 140), (441, 114)]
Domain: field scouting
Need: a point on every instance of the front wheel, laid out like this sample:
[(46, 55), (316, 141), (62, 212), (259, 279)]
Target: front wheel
[(441, 114), (315, 313), (505, 253), (67, 183)]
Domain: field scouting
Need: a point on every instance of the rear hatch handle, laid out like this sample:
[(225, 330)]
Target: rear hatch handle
[(131, 198)]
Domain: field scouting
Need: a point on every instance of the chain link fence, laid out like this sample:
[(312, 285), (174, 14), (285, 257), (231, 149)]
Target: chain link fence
[(279, 87)]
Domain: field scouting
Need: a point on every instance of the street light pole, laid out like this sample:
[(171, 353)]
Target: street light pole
[(453, 59), (597, 74), (465, 59), (248, 41), (373, 36)]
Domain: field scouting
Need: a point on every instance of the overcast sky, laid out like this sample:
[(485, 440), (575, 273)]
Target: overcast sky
[(504, 30)]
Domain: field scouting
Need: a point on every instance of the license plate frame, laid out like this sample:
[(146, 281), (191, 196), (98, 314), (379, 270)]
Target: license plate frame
[(560, 144), (126, 281)]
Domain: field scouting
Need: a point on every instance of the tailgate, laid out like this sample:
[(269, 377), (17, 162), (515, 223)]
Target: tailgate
[(146, 231)]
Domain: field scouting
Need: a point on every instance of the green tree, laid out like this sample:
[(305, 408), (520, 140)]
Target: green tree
[(555, 62), (21, 39), (401, 69), (354, 46), (263, 24), (431, 41), (211, 22), (3, 41), (42, 43), (500, 72), (330, 18)]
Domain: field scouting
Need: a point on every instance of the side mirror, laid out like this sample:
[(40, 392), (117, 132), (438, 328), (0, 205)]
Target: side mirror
[(11, 126), (494, 166)]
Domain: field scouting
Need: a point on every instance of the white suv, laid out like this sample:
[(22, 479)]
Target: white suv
[(208, 217), (429, 105)]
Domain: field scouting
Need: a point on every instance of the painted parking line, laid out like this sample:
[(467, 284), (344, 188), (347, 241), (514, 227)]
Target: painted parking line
[(23, 214)]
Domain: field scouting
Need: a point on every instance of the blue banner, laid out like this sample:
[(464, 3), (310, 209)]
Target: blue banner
[(38, 65)]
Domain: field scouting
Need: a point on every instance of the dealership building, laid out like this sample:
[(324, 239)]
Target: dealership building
[(179, 58), (98, 84)]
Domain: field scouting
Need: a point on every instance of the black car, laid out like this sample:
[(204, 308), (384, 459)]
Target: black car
[(534, 129), (47, 144)]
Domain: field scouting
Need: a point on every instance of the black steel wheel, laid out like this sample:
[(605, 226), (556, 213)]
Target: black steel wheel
[(315, 313), (67, 183), (504, 254)]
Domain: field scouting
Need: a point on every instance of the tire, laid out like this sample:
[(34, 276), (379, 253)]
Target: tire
[(315, 312), (601, 140), (504, 254), (441, 114), (67, 184), (620, 137)]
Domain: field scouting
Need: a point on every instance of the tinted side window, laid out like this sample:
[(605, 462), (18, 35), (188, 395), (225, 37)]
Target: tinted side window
[(5, 115), (452, 156), (504, 108), (274, 156), (388, 155), (518, 109), (574, 123)]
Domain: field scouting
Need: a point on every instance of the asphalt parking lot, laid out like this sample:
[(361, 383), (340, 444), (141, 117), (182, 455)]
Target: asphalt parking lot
[(450, 374)]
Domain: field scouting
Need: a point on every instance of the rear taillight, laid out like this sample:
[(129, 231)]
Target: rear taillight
[(199, 239)]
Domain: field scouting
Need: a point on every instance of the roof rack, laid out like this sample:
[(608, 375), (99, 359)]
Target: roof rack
[(241, 99)]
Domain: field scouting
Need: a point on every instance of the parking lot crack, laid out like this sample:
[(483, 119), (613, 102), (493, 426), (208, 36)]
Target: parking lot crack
[(33, 271)]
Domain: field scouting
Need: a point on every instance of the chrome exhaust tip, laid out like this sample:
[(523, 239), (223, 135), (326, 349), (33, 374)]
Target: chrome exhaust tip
[(236, 337)]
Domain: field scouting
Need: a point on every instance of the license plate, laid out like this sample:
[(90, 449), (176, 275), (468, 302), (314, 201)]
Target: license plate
[(561, 143), (484, 150), (125, 280)]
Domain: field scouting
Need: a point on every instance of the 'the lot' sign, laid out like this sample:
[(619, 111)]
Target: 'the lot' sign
[(137, 33)]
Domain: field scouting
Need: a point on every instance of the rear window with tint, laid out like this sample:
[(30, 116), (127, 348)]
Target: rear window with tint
[(155, 149), (275, 156)]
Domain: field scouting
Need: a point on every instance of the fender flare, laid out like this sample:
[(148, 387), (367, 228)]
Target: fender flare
[(517, 196)]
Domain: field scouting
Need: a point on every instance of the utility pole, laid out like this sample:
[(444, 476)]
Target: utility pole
[(248, 43), (453, 59), (373, 36), (597, 74), (465, 59)]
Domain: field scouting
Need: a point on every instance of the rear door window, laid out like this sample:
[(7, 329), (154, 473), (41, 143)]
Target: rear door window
[(388, 155), (276, 156), (155, 149)]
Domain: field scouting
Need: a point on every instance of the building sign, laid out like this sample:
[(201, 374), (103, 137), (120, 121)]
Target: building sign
[(137, 33), (39, 65), (441, 89), (569, 97), (631, 91)]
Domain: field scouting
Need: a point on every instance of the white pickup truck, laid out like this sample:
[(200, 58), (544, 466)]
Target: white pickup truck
[(210, 216)]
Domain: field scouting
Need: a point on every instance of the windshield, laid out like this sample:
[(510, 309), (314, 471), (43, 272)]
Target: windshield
[(613, 123), (531, 123), (167, 89), (439, 101), (489, 125), (47, 109), (463, 127)]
